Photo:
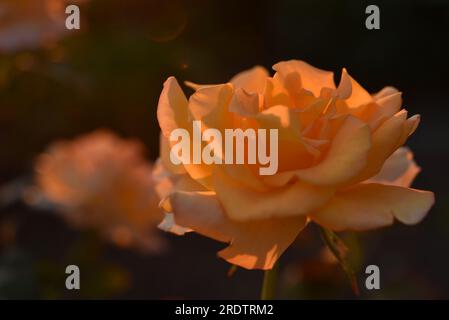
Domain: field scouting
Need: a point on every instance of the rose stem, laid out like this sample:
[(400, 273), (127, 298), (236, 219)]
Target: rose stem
[(269, 283)]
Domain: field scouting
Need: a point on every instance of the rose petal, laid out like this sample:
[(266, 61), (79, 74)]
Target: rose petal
[(358, 96), (252, 80), (311, 78), (368, 206), (345, 158), (399, 169), (253, 245), (344, 89), (275, 93), (385, 141), (210, 105), (244, 103), (164, 147), (242, 203), (293, 151), (389, 105), (172, 110), (387, 91), (168, 224), (409, 128)]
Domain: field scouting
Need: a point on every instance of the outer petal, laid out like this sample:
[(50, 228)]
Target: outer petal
[(164, 147), (168, 224), (161, 177), (385, 140), (387, 107), (165, 184), (209, 105), (390, 104), (254, 245), (385, 92), (409, 127), (252, 80), (172, 111), (399, 170), (345, 158), (368, 206)]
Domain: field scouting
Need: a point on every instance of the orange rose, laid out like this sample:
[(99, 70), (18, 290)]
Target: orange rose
[(99, 181), (341, 163)]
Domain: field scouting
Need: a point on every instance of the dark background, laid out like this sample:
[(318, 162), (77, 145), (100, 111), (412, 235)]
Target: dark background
[(110, 75)]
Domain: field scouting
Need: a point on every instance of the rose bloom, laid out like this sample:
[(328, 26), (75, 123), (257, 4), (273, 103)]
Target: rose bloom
[(99, 181), (26, 24), (341, 161)]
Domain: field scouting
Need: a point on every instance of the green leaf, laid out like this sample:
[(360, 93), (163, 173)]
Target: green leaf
[(340, 251)]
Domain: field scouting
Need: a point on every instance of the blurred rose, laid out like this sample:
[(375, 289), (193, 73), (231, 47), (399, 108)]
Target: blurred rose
[(26, 24), (102, 182), (341, 163)]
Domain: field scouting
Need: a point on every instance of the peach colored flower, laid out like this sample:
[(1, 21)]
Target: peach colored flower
[(26, 24), (341, 161), (102, 182)]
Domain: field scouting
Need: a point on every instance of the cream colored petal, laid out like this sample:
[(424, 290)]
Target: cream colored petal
[(368, 206), (398, 170), (254, 245), (252, 80), (311, 78)]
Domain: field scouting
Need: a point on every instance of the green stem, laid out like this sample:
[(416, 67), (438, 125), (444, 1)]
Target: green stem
[(269, 283), (232, 270)]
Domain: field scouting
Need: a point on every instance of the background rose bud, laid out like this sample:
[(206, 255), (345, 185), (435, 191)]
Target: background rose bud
[(102, 182)]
